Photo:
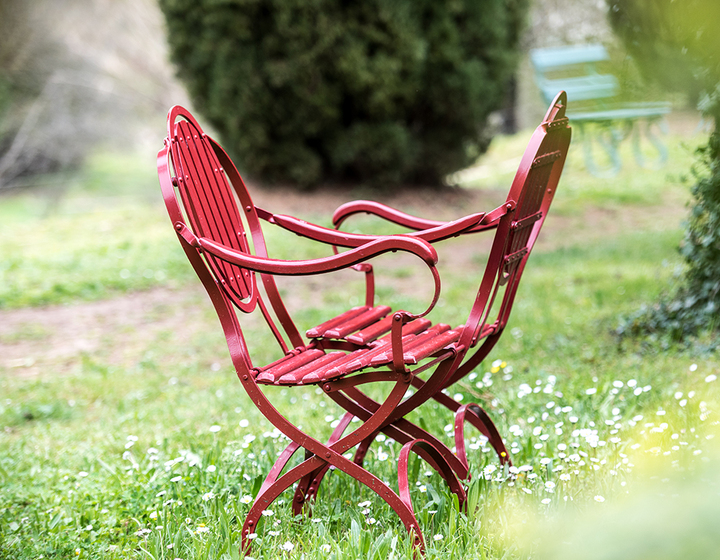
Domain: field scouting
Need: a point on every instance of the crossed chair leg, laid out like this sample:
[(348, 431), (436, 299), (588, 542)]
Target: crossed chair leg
[(452, 467), (323, 456)]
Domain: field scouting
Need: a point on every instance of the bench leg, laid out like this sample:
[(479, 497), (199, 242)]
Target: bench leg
[(608, 139), (653, 139)]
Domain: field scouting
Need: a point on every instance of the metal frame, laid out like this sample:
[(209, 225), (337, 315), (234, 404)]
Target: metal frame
[(219, 229)]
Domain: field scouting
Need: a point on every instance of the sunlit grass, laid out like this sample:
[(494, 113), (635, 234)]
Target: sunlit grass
[(160, 455)]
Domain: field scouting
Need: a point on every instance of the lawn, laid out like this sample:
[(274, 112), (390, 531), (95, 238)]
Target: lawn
[(125, 434)]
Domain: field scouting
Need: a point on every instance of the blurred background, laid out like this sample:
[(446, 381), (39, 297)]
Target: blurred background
[(77, 77), (84, 76)]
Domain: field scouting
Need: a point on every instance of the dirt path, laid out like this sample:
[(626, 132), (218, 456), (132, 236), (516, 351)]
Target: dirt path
[(32, 339)]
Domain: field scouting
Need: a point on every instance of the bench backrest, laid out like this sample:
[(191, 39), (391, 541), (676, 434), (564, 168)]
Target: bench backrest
[(573, 69)]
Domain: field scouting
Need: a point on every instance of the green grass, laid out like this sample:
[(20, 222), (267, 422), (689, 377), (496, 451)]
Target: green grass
[(157, 454)]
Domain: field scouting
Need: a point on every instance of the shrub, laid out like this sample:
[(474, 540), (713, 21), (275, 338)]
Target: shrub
[(678, 46), (304, 91)]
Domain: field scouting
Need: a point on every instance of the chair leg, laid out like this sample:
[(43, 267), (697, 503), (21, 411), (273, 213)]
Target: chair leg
[(307, 488), (325, 455), (264, 499), (401, 430), (478, 418), (427, 451), (279, 466)]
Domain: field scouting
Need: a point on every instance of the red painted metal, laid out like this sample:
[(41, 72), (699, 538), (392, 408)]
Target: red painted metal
[(218, 224)]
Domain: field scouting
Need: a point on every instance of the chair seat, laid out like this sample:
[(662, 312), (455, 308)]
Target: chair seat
[(367, 327)]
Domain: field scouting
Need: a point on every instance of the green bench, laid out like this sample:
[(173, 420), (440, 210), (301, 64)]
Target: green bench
[(595, 110)]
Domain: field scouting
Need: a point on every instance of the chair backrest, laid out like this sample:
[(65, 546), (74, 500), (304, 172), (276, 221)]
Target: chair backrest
[(530, 196), (202, 189)]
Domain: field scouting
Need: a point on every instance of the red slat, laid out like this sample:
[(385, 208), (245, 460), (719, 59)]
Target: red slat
[(433, 331), (319, 330), (272, 374), (297, 376), (211, 204), (372, 332), (428, 348), (363, 320)]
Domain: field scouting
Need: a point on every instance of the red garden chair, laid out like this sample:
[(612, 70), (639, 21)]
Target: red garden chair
[(219, 228)]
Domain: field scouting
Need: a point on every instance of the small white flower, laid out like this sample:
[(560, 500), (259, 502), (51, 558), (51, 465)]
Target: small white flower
[(211, 468), (438, 537), (82, 474), (591, 391), (364, 504), (423, 488), (325, 548), (268, 512), (208, 496), (545, 501), (273, 533), (246, 499), (215, 428), (244, 423), (176, 479), (710, 378), (287, 546), (252, 536), (371, 520), (599, 499)]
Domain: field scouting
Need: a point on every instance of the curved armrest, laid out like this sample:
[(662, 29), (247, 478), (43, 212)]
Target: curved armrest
[(383, 211), (377, 246), (344, 239), (325, 264), (433, 228)]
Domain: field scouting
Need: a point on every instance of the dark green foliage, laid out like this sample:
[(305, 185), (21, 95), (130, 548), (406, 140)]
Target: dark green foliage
[(304, 91), (678, 46), (694, 305)]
